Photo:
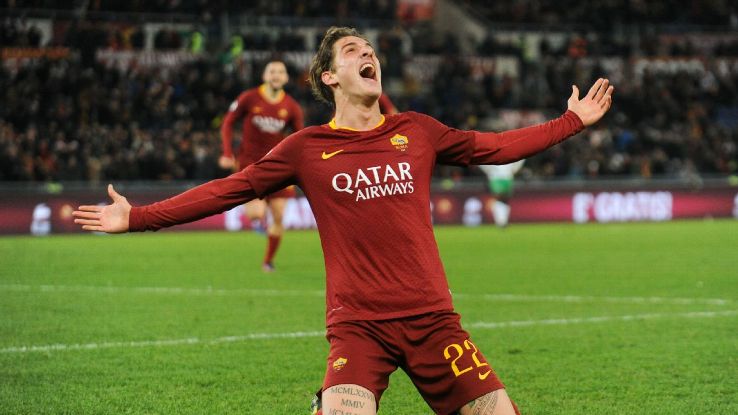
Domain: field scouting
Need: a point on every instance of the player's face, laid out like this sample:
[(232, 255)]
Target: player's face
[(275, 75), (356, 68)]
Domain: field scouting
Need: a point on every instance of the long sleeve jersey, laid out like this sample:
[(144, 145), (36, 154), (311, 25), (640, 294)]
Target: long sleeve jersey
[(370, 194), (264, 123)]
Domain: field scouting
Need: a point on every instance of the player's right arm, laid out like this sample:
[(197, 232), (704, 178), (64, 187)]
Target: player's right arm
[(112, 218), (235, 112), (197, 203), (273, 172)]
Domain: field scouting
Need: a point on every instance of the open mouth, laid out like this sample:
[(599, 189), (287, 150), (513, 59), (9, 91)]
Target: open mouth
[(367, 71)]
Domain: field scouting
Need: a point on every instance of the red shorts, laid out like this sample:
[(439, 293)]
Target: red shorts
[(287, 192), (436, 353)]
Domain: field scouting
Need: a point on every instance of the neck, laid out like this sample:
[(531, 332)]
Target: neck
[(360, 116), (271, 92)]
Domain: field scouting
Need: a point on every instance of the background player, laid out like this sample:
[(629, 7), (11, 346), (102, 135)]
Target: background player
[(386, 106), (367, 178), (501, 182), (267, 112)]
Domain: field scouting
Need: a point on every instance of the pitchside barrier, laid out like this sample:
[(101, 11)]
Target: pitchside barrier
[(47, 209)]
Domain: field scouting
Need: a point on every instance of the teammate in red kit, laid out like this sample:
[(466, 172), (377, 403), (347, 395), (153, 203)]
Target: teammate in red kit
[(267, 111), (367, 177), (386, 106)]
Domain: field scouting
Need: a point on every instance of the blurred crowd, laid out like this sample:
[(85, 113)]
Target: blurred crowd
[(360, 9), (609, 13), (18, 33), (77, 118), (593, 13), (62, 120)]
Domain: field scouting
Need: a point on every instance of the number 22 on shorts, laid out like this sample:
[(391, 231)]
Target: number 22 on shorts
[(468, 345)]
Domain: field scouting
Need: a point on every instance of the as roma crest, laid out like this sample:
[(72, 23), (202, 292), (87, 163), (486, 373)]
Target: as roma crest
[(400, 142)]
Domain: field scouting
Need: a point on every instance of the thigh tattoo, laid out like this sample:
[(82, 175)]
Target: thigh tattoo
[(348, 400), (484, 405)]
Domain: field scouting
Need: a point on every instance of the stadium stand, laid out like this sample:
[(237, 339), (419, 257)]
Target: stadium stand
[(110, 109)]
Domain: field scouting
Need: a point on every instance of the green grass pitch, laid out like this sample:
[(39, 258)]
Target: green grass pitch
[(576, 319)]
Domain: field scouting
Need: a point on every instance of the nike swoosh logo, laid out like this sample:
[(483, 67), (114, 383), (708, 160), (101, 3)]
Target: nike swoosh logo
[(329, 155), (484, 376)]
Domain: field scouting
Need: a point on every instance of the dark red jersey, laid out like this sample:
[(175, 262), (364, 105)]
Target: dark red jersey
[(264, 123), (370, 193)]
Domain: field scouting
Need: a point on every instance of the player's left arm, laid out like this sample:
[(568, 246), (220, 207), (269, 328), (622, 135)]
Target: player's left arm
[(298, 118), (513, 145)]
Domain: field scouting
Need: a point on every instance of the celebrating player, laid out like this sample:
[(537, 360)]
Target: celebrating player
[(266, 111), (367, 177)]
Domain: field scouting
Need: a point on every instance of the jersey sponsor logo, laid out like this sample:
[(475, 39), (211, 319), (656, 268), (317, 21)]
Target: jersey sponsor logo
[(339, 363), (376, 181), (282, 113), (400, 142), (326, 156), (256, 109), (483, 376), (268, 124)]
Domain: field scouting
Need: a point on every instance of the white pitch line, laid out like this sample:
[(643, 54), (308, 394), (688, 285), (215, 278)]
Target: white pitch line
[(601, 319), (161, 290), (595, 299), (320, 333), (320, 293), (160, 343)]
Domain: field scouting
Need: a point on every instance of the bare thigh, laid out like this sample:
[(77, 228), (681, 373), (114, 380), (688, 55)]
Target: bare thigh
[(276, 206), (255, 209), (348, 399), (494, 403)]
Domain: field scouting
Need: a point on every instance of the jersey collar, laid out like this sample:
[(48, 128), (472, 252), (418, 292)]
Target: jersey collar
[(334, 126), (267, 98)]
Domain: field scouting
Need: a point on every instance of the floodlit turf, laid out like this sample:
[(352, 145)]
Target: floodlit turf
[(590, 319)]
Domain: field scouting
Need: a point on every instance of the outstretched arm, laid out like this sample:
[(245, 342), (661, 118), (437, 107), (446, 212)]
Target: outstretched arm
[(112, 218), (205, 200), (273, 172), (509, 146), (594, 105)]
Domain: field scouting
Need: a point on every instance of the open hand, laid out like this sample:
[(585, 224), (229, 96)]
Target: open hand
[(594, 105), (110, 219)]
